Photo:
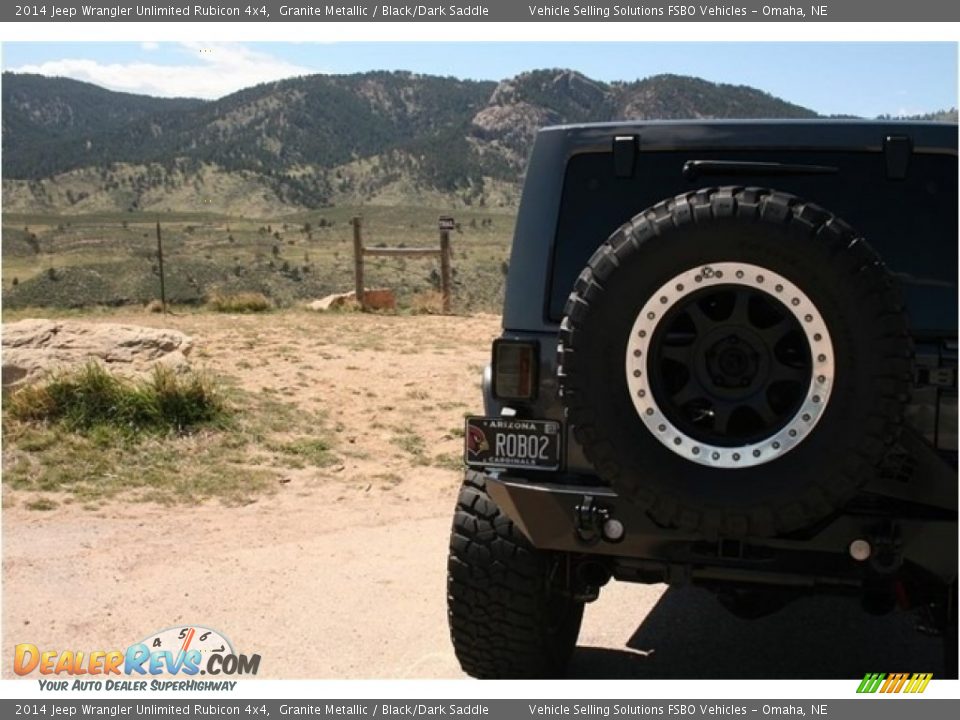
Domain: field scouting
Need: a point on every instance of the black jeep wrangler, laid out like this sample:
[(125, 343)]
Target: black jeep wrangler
[(729, 358)]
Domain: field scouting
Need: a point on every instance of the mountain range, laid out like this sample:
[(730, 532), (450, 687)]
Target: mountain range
[(317, 140)]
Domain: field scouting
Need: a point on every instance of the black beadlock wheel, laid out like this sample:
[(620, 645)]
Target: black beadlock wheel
[(736, 361), (508, 616)]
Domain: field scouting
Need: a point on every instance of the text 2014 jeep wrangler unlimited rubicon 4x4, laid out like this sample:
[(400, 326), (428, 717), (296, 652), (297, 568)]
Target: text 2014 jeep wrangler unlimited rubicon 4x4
[(729, 358)]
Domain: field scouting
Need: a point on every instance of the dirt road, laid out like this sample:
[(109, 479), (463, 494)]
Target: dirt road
[(340, 573)]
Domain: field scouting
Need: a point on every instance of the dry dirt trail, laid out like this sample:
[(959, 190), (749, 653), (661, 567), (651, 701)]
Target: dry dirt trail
[(340, 573)]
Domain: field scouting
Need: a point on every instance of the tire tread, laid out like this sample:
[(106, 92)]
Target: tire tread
[(857, 263)]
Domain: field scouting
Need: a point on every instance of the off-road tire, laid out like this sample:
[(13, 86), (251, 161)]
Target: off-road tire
[(818, 253), (508, 618)]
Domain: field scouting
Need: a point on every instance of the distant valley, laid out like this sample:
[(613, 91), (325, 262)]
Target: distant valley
[(255, 191)]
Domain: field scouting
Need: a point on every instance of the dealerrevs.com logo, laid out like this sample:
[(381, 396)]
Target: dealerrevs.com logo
[(187, 651)]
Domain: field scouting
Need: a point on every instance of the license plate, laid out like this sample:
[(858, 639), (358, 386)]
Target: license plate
[(502, 442)]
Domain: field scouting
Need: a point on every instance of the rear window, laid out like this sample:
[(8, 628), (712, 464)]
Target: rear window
[(912, 223)]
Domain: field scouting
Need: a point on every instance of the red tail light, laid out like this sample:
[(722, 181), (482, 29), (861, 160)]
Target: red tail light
[(514, 369)]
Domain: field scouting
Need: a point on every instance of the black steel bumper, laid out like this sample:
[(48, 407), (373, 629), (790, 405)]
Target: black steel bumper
[(571, 518)]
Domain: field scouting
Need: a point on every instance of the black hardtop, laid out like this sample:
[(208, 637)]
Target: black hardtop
[(528, 303), (864, 135)]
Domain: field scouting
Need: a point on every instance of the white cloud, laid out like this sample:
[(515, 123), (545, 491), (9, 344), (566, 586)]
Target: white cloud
[(216, 69), (903, 111), (149, 45)]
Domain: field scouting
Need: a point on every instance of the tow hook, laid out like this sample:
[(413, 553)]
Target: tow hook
[(594, 522)]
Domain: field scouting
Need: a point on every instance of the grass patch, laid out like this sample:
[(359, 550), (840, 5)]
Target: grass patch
[(96, 467), (411, 443), (448, 461), (93, 400), (427, 302), (305, 451), (233, 459), (388, 481), (103, 258), (241, 302), (41, 504)]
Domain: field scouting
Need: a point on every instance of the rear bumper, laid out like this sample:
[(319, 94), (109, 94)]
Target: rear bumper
[(570, 518)]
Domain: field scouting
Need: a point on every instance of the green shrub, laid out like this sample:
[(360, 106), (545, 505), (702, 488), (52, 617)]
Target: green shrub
[(92, 399)]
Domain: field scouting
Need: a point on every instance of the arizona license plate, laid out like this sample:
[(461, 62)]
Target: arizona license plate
[(503, 442)]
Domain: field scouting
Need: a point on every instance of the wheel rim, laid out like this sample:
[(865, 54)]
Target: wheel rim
[(730, 365)]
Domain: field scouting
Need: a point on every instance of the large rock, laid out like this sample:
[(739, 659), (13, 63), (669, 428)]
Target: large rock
[(34, 348), (374, 299), (334, 302)]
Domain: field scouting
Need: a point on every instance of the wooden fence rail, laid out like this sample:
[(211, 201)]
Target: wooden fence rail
[(443, 252)]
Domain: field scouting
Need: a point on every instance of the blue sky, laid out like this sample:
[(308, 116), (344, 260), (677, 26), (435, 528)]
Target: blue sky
[(865, 78)]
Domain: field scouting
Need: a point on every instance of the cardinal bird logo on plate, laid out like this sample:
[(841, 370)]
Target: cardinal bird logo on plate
[(476, 440)]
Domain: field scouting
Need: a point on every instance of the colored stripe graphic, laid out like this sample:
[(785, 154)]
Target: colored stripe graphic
[(894, 683), (891, 683), (921, 682), (900, 682), (871, 682)]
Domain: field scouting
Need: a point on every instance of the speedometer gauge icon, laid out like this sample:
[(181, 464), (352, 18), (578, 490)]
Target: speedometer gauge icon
[(184, 638)]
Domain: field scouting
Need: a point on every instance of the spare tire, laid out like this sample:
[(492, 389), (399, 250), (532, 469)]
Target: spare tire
[(735, 361)]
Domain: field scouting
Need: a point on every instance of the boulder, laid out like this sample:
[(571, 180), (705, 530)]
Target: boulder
[(374, 299), (336, 301), (34, 348)]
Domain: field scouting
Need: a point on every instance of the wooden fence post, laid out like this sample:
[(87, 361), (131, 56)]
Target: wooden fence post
[(358, 260), (163, 286), (445, 269), (359, 251)]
